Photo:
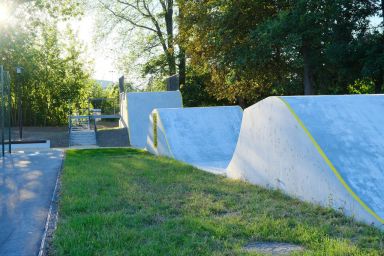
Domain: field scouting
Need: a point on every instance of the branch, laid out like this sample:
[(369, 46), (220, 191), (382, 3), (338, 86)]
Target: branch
[(132, 22), (163, 5), (157, 26), (137, 8)]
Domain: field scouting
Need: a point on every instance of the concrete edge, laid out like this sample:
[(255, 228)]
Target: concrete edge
[(52, 216)]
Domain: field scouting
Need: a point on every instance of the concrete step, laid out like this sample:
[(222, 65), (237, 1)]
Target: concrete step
[(82, 137)]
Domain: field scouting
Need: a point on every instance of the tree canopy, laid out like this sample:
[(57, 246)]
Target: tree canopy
[(253, 49), (56, 76)]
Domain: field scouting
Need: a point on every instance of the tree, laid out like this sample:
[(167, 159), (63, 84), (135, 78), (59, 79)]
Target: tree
[(153, 16), (55, 74), (324, 31), (375, 59), (253, 49), (218, 39)]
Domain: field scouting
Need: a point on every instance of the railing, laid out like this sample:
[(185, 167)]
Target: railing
[(75, 121)]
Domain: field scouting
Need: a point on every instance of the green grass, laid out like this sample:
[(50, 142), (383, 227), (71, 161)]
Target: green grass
[(128, 202)]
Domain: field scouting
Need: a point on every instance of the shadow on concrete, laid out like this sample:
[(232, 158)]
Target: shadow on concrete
[(27, 182)]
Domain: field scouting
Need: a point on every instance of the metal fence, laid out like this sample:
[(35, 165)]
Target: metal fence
[(5, 111)]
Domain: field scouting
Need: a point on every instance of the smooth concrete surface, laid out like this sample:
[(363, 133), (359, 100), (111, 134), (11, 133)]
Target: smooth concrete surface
[(204, 137), (139, 106), (323, 149), (123, 121), (27, 182)]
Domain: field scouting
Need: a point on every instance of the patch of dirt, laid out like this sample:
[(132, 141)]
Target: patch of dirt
[(273, 248), (229, 214)]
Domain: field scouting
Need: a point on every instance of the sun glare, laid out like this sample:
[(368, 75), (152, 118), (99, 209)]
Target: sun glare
[(4, 13)]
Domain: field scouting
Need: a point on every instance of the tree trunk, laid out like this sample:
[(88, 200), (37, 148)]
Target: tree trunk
[(382, 10), (182, 67), (379, 84), (241, 102), (170, 38), (182, 59), (308, 81)]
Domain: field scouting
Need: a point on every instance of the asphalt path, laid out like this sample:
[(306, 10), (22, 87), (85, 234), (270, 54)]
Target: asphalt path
[(27, 183)]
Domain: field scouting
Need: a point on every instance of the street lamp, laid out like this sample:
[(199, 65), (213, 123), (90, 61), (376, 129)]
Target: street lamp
[(19, 71)]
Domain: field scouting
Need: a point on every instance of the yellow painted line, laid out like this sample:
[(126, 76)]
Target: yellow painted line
[(165, 135), (329, 163)]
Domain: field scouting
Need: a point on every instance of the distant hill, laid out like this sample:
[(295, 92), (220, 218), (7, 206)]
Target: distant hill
[(104, 83)]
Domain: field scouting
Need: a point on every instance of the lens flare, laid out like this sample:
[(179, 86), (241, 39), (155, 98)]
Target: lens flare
[(4, 13)]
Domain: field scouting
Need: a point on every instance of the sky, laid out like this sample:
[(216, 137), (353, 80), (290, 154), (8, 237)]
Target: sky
[(101, 53)]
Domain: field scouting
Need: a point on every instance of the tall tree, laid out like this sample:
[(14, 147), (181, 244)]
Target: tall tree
[(252, 49), (219, 40), (379, 84), (323, 31), (55, 72), (154, 16)]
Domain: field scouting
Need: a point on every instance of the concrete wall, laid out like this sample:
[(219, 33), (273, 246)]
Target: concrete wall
[(139, 105), (204, 137), (327, 149), (123, 122)]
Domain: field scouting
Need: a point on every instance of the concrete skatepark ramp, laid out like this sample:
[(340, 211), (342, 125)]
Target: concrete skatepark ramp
[(135, 108), (323, 149), (204, 137)]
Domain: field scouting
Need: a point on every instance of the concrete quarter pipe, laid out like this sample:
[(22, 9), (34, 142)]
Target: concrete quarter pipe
[(204, 137), (136, 107), (323, 149)]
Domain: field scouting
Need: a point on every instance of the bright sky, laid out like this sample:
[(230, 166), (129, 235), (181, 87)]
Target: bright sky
[(101, 53), (104, 68), (4, 13)]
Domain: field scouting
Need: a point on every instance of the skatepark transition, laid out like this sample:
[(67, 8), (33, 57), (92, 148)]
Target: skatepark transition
[(135, 108), (204, 137), (327, 150)]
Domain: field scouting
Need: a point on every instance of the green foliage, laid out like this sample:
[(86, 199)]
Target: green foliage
[(147, 27), (251, 49), (156, 66), (218, 40), (55, 78), (157, 69), (156, 84), (362, 86), (195, 92), (107, 100), (128, 202)]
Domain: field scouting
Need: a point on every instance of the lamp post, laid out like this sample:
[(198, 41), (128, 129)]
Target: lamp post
[(19, 71)]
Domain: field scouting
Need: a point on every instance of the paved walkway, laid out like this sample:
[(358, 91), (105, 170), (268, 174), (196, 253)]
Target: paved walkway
[(27, 182)]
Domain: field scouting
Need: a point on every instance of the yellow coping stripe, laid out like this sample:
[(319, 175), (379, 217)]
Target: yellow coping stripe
[(165, 135), (329, 163)]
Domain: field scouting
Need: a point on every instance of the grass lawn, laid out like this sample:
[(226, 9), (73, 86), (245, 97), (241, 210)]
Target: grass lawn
[(128, 202)]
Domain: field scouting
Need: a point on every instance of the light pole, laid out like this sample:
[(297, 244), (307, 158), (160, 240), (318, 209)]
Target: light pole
[(19, 71)]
